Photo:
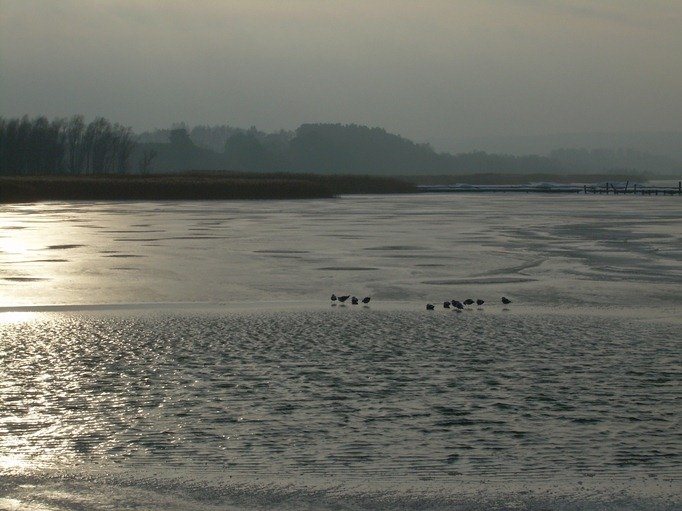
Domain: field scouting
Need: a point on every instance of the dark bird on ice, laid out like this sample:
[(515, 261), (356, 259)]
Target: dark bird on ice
[(430, 306), (354, 300), (480, 302), (344, 298), (456, 303), (333, 297), (366, 299), (468, 301), (505, 300), (446, 305)]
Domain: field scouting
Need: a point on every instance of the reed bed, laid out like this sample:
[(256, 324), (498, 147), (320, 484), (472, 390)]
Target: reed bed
[(47, 188), (192, 186)]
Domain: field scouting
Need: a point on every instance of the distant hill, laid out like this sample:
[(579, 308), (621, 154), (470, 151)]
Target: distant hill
[(351, 148), (664, 143), (600, 160), (322, 148), (70, 146), (178, 154)]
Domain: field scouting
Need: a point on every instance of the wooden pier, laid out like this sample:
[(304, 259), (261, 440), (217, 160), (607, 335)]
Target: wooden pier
[(592, 189), (610, 188)]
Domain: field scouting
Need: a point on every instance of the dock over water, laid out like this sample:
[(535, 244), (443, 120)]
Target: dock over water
[(607, 188)]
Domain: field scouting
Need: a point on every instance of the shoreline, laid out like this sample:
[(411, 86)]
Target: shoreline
[(198, 186), (637, 314), (192, 186)]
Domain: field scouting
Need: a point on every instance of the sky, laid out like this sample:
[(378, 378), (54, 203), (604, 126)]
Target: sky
[(432, 70)]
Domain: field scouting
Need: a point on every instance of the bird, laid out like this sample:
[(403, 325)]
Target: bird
[(333, 297), (344, 298), (459, 305), (505, 300), (430, 306), (354, 301), (468, 301), (366, 299), (480, 302), (446, 305)]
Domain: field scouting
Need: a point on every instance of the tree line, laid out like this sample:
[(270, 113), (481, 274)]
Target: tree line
[(72, 146), (64, 146), (322, 148)]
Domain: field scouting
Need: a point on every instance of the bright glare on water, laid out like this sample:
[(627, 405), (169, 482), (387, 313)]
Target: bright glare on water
[(187, 356)]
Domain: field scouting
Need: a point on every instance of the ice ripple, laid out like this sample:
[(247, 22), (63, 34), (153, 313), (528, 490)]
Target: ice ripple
[(344, 394)]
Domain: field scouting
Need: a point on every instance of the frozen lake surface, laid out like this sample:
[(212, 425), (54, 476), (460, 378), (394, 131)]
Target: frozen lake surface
[(185, 355)]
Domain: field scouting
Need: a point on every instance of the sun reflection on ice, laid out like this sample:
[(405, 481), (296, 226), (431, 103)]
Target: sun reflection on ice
[(13, 246), (11, 462)]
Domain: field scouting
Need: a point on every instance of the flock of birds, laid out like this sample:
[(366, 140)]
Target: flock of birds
[(452, 304), (458, 306), (353, 299)]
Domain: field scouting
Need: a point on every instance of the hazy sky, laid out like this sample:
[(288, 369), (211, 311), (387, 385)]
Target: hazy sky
[(432, 70)]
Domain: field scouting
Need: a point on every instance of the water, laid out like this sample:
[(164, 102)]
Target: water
[(204, 368)]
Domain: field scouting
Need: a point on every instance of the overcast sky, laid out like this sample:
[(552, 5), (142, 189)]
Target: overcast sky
[(431, 70)]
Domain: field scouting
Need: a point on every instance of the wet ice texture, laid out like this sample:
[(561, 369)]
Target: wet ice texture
[(274, 400), (560, 251), (405, 400)]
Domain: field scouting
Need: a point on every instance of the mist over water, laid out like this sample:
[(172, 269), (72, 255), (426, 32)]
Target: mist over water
[(186, 356)]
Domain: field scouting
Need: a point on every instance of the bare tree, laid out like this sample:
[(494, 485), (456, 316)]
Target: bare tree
[(51, 147), (75, 129), (123, 145), (145, 164)]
